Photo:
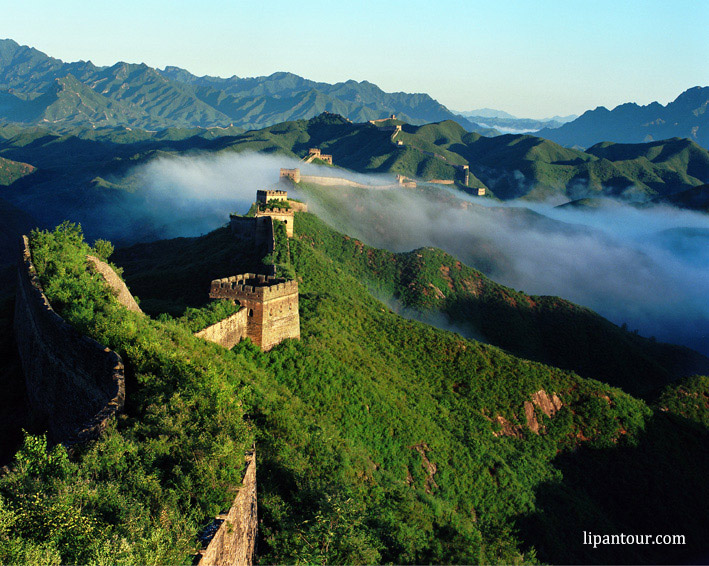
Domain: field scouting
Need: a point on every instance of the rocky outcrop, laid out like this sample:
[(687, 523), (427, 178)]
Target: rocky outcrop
[(549, 405), (74, 383)]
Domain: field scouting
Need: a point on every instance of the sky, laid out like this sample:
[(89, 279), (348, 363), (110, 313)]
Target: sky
[(533, 59)]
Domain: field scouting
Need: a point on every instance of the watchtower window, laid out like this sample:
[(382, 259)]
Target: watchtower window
[(251, 312)]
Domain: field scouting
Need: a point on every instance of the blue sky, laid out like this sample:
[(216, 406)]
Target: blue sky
[(532, 59)]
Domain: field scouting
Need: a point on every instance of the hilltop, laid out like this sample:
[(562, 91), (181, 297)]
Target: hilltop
[(684, 117)]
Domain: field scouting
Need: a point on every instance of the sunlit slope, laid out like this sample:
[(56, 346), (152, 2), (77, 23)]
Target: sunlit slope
[(384, 430), (548, 329)]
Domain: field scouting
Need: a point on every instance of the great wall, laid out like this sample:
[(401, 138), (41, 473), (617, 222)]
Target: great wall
[(76, 385), (295, 176)]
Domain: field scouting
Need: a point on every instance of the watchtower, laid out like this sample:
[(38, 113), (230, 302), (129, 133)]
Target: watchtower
[(265, 196), (271, 304), (315, 153), (291, 175)]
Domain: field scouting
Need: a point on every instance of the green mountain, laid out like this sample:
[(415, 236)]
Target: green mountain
[(685, 117), (379, 439), (37, 89), (89, 175), (11, 171)]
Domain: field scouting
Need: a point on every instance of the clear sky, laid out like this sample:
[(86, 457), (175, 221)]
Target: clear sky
[(534, 58)]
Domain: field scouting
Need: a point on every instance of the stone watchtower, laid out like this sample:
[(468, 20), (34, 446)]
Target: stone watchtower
[(285, 215), (271, 305)]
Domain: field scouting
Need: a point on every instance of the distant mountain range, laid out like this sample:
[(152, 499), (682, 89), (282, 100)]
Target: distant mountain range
[(36, 89), (685, 117), (508, 124)]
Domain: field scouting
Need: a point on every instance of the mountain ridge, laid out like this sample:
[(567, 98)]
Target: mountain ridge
[(173, 97), (686, 117)]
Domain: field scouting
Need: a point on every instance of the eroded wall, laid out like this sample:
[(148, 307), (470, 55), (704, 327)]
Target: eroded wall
[(73, 382), (235, 540)]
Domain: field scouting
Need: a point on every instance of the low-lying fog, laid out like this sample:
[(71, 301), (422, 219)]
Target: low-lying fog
[(648, 268)]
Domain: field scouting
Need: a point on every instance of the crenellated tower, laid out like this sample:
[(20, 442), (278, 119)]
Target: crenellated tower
[(271, 305)]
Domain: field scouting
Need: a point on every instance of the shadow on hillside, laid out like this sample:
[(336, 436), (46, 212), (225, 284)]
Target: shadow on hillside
[(14, 407), (558, 333), (658, 487)]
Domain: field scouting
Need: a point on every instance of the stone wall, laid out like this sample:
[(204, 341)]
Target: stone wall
[(235, 540), (341, 182), (73, 382), (257, 230), (227, 332), (285, 215)]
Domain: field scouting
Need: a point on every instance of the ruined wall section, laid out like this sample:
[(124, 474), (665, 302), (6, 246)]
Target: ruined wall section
[(72, 381), (117, 284), (235, 540), (228, 332)]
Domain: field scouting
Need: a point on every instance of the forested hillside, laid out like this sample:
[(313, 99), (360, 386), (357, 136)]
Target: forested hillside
[(410, 465)]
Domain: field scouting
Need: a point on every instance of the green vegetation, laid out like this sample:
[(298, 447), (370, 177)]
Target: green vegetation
[(547, 329), (378, 438), (198, 319), (280, 257), (274, 204), (688, 399), (140, 493)]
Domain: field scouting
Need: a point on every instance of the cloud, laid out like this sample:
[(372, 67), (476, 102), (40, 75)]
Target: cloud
[(648, 268)]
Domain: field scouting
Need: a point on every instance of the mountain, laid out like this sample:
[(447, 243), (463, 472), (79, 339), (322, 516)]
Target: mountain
[(88, 175), (508, 124), (38, 89), (685, 117)]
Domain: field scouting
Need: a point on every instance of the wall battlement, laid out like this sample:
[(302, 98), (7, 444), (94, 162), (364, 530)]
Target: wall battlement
[(315, 153), (285, 215), (253, 285), (76, 384), (264, 196)]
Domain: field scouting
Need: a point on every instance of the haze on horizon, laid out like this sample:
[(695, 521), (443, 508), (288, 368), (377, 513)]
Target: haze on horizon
[(531, 59)]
